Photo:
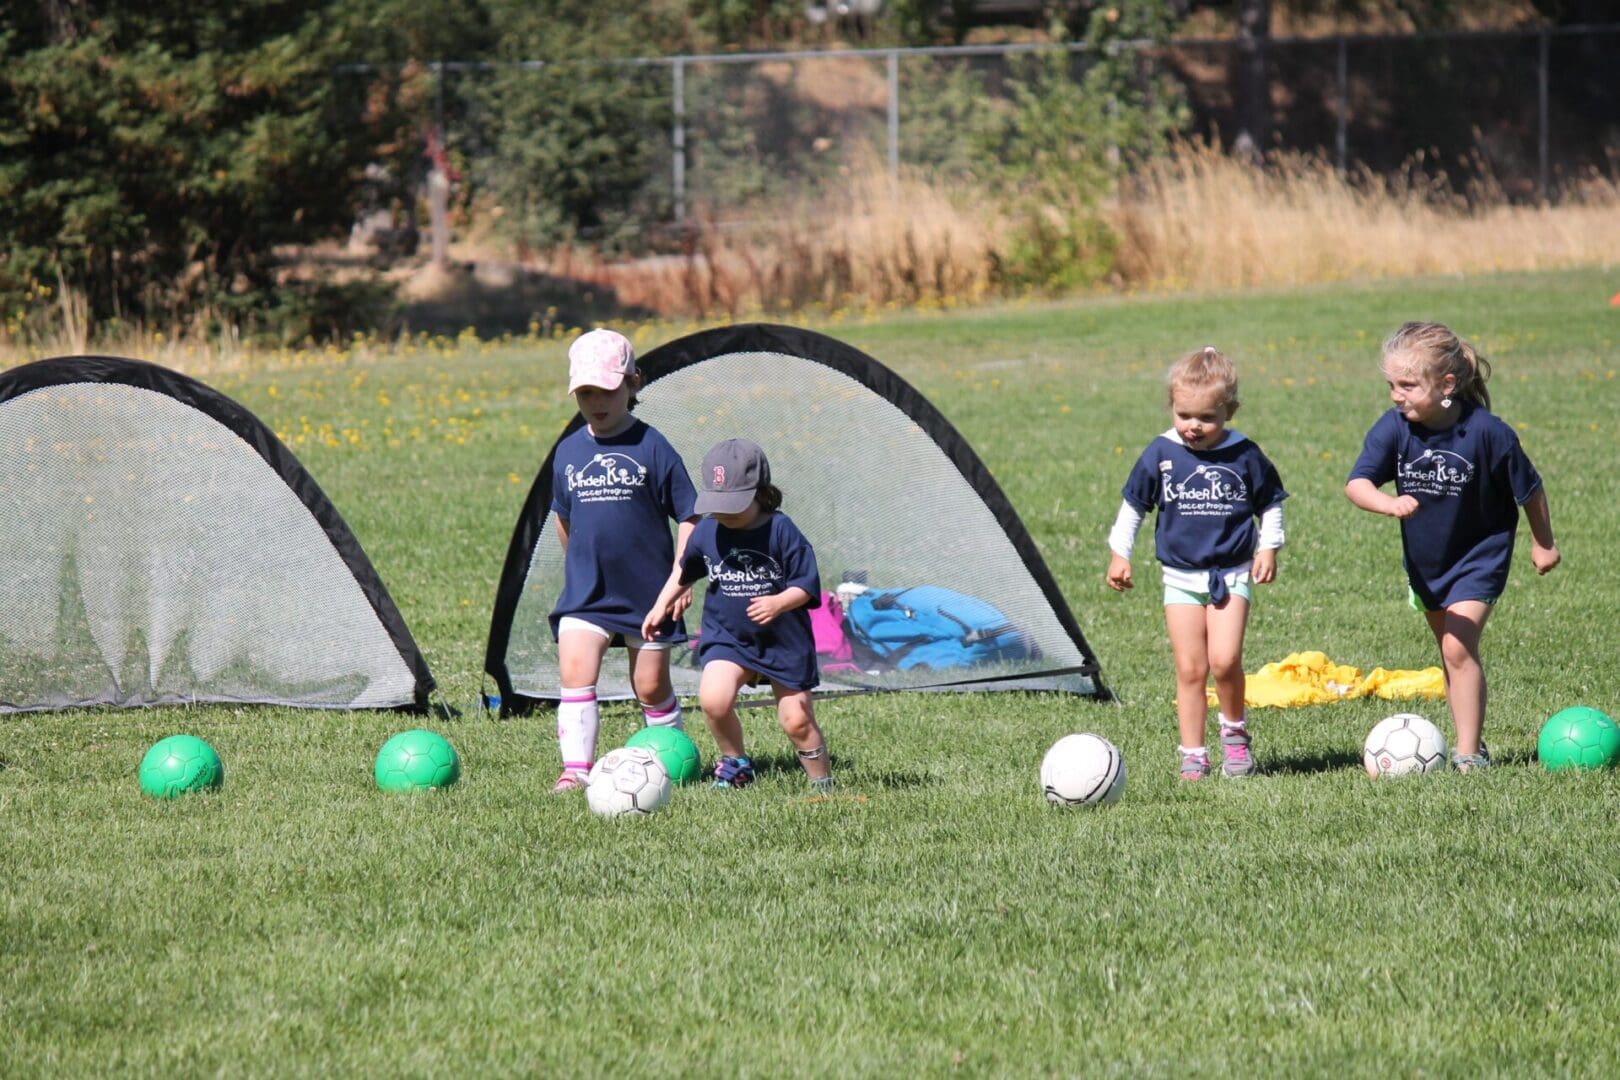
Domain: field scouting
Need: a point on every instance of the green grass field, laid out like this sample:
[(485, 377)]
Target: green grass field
[(936, 917)]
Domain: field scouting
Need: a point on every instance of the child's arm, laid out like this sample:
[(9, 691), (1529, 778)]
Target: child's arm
[(683, 533), (562, 532), (1543, 549), (664, 606), (1264, 567), (764, 609), (683, 599), (1121, 540), (1364, 494)]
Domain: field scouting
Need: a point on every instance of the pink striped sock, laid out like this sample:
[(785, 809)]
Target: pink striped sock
[(577, 720), (666, 715)]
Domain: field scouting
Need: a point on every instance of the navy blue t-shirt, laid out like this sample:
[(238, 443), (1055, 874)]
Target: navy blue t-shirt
[(1469, 480), (617, 496), (1207, 500), (741, 564)]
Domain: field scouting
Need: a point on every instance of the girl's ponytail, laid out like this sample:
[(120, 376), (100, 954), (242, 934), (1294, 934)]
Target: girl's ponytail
[(1472, 388)]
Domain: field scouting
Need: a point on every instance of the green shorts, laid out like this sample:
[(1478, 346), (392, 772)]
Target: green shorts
[(1173, 595)]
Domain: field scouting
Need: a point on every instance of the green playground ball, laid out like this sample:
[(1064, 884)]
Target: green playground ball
[(674, 748), (1578, 737), (417, 760), (180, 764)]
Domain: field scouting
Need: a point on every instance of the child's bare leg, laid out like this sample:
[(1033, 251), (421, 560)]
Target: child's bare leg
[(798, 719), (1457, 630), (1190, 647), (579, 656), (1225, 625), (649, 677), (649, 674), (717, 696)]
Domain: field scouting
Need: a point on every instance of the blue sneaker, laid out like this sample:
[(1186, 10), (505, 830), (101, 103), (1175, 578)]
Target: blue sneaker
[(733, 772)]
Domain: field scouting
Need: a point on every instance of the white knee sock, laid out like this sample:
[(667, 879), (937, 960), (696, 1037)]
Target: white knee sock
[(577, 720), (666, 715)]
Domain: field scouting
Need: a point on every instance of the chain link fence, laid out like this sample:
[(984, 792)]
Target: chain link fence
[(1523, 116)]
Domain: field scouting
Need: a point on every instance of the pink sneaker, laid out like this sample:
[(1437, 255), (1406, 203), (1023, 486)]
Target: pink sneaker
[(1194, 766), (570, 780), (1237, 760)]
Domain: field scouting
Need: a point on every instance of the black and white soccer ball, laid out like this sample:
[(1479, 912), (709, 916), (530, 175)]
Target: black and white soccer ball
[(1403, 744), (629, 780), (1082, 770)]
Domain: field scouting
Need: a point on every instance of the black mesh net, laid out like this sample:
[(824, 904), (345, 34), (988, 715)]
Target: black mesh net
[(875, 479), (150, 555)]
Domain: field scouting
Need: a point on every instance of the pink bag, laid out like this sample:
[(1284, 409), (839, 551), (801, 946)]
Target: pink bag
[(827, 625)]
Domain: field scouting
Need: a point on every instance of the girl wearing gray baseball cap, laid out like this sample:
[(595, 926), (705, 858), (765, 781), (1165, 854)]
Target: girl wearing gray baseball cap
[(756, 623)]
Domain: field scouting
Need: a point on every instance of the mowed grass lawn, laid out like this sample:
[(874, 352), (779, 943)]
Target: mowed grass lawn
[(936, 917)]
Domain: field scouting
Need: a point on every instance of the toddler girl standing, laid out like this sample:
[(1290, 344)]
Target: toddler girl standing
[(1208, 484)]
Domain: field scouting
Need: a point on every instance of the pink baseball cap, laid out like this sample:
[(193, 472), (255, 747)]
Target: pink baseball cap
[(600, 358)]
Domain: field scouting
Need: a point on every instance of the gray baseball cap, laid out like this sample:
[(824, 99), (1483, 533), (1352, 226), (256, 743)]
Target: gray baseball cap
[(732, 471)]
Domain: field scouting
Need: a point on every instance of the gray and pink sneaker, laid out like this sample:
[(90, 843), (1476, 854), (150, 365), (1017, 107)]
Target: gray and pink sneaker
[(1237, 759), (1194, 766)]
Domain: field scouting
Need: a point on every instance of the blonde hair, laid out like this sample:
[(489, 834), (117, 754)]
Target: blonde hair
[(1431, 351), (1205, 369)]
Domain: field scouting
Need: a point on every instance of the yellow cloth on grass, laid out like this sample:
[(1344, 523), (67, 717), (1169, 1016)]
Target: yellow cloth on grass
[(1310, 678)]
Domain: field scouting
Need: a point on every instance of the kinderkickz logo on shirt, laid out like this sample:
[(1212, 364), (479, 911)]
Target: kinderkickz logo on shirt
[(609, 477), (1209, 489), (745, 573), (1435, 472)]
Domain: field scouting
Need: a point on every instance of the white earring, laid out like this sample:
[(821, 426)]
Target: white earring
[(1445, 403)]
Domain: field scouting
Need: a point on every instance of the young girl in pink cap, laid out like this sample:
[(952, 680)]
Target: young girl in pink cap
[(756, 624), (616, 484)]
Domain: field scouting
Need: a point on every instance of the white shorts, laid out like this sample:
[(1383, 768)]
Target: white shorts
[(569, 622)]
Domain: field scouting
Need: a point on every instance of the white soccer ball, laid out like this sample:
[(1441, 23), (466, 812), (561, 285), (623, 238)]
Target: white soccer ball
[(1402, 744), (1082, 770), (629, 780)]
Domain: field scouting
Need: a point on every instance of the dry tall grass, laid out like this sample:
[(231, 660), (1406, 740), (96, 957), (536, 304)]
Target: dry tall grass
[(1194, 219), (875, 242), (1200, 219)]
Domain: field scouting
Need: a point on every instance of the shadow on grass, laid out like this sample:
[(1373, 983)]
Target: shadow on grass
[(843, 771), (1331, 761)]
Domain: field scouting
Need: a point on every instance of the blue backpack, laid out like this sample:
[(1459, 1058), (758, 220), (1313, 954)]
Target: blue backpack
[(926, 626)]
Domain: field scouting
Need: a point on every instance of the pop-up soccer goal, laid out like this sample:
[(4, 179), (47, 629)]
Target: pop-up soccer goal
[(883, 486), (159, 545)]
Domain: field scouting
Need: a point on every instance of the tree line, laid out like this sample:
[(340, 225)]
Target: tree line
[(155, 156)]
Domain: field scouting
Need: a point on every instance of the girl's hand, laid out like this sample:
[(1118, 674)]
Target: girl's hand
[(1119, 574), (682, 601), (1402, 506), (764, 609), (649, 625), (1544, 558), (1264, 568)]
